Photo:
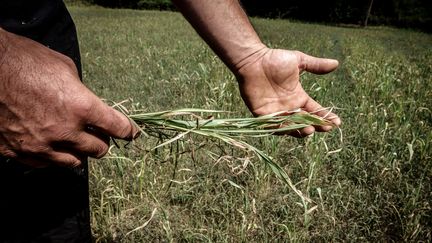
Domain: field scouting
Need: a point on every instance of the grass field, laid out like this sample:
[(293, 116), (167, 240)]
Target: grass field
[(374, 185)]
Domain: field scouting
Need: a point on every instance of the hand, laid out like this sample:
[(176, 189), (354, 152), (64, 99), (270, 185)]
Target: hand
[(269, 82), (47, 116)]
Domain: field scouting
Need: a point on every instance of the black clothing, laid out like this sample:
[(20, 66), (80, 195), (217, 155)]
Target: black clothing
[(49, 204), (45, 21), (43, 205)]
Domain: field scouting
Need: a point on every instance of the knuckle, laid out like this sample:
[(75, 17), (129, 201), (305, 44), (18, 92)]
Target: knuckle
[(83, 107), (26, 145), (67, 68), (66, 135), (68, 61), (39, 149)]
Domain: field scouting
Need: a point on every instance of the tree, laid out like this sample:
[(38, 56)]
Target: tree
[(368, 13)]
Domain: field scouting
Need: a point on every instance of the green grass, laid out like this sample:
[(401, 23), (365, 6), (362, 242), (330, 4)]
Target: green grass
[(376, 188)]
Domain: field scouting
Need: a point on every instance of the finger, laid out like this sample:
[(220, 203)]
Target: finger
[(298, 133), (111, 122), (316, 65), (64, 159), (314, 107), (52, 158), (301, 133), (92, 144)]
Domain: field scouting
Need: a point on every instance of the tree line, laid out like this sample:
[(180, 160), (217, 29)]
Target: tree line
[(401, 13)]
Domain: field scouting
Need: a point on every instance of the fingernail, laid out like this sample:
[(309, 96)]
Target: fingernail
[(136, 130), (337, 122), (136, 134)]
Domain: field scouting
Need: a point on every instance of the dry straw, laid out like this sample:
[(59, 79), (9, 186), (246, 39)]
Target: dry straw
[(229, 130)]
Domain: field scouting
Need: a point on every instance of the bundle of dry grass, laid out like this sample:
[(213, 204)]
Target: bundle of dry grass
[(229, 130)]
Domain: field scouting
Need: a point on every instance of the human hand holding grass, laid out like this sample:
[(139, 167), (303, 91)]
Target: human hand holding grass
[(53, 127), (269, 82), (48, 117), (268, 78)]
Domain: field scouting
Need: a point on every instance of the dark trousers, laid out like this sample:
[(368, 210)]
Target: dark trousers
[(49, 204), (43, 205)]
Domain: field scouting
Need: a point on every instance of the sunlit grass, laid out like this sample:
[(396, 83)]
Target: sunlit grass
[(373, 186)]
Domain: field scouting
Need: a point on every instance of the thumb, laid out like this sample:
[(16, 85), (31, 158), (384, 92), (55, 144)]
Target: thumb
[(111, 122), (316, 65)]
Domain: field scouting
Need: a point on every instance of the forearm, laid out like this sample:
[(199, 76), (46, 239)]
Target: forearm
[(226, 28)]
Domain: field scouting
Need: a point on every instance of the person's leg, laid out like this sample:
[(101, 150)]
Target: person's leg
[(43, 205), (48, 204)]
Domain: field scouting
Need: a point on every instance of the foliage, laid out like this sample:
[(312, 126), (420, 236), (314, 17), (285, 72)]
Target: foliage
[(135, 4), (373, 186), (155, 4), (402, 13)]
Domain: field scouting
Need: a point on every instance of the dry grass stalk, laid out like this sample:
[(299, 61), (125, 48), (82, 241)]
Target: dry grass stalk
[(228, 130)]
